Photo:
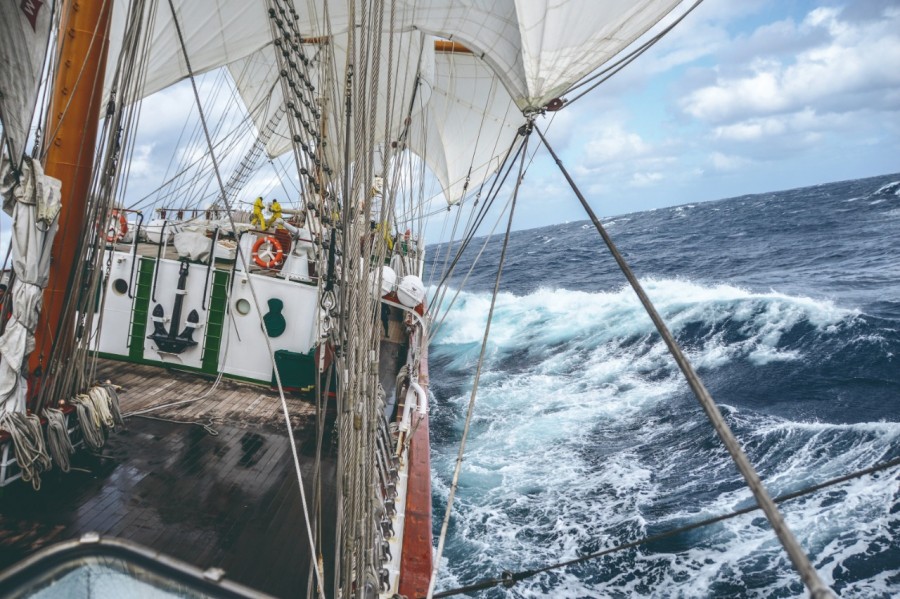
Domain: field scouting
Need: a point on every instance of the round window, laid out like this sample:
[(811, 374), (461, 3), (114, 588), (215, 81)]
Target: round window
[(242, 306), (120, 286)]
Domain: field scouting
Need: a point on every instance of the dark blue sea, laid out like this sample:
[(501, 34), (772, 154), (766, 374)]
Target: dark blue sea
[(585, 436)]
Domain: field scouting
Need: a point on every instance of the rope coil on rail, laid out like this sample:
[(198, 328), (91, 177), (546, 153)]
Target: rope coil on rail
[(58, 442), (98, 411), (28, 443)]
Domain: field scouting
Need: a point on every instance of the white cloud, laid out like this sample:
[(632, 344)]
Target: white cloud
[(612, 143), (724, 162), (646, 179), (855, 59), (142, 163)]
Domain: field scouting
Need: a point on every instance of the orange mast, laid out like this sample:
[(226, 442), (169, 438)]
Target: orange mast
[(72, 129)]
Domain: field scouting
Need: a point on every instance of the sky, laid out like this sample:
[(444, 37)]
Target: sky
[(742, 97)]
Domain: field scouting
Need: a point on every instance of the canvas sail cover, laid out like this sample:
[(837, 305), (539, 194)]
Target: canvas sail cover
[(24, 32), (538, 48), (35, 198)]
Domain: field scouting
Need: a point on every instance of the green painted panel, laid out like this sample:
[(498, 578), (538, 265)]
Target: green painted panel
[(141, 308), (215, 322)]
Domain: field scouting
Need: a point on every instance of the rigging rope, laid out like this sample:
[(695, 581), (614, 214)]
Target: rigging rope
[(508, 578), (607, 72), (817, 589), (471, 409), (243, 258)]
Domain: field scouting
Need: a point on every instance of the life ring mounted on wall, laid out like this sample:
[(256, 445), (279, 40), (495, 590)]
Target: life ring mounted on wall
[(117, 228), (267, 252)]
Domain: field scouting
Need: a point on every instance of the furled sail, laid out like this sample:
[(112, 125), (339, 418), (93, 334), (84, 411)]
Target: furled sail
[(24, 32), (33, 205), (538, 48)]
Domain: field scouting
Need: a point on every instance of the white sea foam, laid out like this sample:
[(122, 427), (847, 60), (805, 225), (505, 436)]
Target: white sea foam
[(892, 187), (576, 444)]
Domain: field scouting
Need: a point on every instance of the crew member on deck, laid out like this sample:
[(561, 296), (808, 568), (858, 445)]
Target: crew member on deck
[(275, 209), (257, 219)]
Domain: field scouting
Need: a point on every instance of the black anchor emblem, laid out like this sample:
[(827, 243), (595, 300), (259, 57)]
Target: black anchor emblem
[(170, 341)]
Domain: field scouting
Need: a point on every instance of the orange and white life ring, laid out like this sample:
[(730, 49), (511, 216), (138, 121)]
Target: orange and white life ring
[(115, 233), (269, 256)]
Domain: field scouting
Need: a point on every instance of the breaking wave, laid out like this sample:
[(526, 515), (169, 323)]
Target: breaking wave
[(585, 436)]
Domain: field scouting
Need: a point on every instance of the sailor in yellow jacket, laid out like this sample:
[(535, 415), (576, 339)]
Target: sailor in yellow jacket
[(257, 219), (275, 208)]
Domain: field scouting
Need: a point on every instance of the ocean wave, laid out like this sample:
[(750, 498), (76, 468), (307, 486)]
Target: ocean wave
[(717, 323), (583, 437), (892, 188)]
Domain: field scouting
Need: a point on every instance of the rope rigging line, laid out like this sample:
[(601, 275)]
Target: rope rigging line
[(817, 589), (496, 186), (65, 110), (66, 367), (243, 258), (438, 299), (607, 72), (508, 578), (471, 408)]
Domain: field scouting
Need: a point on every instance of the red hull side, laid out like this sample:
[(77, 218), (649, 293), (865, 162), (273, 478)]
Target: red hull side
[(416, 563)]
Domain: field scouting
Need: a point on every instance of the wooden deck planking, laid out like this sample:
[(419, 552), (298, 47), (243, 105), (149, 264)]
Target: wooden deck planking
[(229, 501), (241, 404)]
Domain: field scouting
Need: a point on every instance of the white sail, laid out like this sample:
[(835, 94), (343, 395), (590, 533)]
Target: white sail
[(538, 48), (257, 80), (467, 126), (24, 32)]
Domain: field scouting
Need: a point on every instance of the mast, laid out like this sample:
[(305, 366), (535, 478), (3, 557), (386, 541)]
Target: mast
[(72, 135)]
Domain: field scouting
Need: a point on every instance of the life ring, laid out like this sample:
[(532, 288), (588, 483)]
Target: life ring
[(269, 257), (114, 234)]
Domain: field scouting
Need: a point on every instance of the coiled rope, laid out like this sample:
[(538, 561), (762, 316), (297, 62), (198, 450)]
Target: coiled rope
[(98, 411), (58, 442), (28, 443), (91, 429)]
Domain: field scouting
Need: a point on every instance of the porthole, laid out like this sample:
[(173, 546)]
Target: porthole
[(120, 286), (242, 306)]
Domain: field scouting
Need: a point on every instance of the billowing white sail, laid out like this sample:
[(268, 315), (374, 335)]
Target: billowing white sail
[(538, 48), (257, 80), (24, 32), (467, 126), (541, 48)]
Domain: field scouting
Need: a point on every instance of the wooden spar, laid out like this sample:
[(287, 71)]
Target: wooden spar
[(449, 47), (72, 125)]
